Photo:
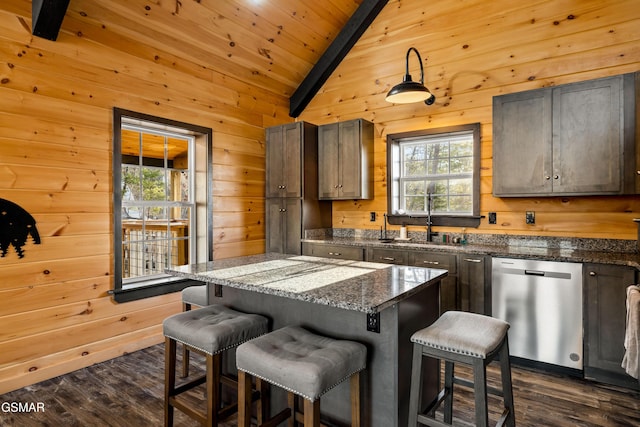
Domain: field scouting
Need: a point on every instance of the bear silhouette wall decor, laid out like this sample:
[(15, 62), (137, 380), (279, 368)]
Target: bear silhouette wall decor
[(16, 225)]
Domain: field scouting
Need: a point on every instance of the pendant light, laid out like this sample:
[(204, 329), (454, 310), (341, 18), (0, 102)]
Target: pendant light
[(409, 91)]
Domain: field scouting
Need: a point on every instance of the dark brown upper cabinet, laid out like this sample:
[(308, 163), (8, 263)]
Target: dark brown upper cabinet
[(345, 160), (574, 139)]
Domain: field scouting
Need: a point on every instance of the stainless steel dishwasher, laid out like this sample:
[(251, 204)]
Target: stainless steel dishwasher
[(542, 300)]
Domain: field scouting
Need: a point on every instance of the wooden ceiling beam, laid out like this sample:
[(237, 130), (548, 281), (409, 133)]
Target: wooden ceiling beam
[(47, 16), (335, 53)]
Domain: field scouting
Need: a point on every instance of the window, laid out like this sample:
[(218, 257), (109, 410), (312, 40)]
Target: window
[(434, 171), (160, 171)]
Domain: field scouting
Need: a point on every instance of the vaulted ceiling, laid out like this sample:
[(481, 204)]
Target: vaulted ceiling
[(288, 47)]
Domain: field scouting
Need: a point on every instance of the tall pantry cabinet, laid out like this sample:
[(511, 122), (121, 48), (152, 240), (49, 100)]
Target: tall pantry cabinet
[(292, 203)]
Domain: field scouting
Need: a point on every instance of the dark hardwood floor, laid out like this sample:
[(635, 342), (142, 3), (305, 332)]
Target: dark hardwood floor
[(127, 392)]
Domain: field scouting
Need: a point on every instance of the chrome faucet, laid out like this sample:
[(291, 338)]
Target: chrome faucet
[(430, 233)]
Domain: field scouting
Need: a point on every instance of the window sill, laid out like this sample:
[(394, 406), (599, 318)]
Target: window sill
[(151, 290), (438, 220)]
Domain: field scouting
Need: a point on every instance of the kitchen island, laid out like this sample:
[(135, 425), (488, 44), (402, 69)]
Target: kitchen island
[(379, 305)]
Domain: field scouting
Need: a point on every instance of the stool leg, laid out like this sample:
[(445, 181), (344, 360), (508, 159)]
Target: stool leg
[(507, 390), (244, 399), (185, 350), (416, 379), (311, 413), (213, 389), (292, 402), (448, 389), (480, 391), (355, 399), (262, 405), (169, 379)]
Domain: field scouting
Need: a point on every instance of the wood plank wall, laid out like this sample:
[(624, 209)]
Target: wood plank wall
[(56, 101), (474, 50)]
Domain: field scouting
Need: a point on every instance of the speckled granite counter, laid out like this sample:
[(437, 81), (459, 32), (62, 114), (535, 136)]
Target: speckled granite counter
[(600, 251), (353, 285)]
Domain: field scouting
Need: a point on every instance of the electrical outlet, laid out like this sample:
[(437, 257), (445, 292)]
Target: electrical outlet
[(492, 218), (373, 322), (372, 216), (530, 217)]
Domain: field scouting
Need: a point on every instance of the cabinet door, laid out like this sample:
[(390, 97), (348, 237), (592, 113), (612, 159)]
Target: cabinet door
[(274, 226), (292, 154), (274, 162), (449, 294), (283, 161), (473, 284), (292, 218), (588, 137), (605, 321), (349, 160), (283, 225), (522, 143), (328, 149)]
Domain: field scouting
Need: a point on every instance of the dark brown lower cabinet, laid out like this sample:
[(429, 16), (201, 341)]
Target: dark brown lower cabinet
[(474, 282), (604, 313), (449, 292)]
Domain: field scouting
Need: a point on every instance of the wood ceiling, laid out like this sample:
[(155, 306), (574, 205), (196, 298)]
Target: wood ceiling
[(288, 47)]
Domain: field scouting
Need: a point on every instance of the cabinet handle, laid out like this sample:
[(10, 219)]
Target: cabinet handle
[(555, 177), (592, 273), (335, 186), (335, 253), (547, 177), (431, 262), (388, 258), (472, 260), (340, 186)]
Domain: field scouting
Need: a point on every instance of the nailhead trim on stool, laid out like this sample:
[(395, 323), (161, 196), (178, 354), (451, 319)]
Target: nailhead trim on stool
[(210, 330), (469, 338), (304, 364)]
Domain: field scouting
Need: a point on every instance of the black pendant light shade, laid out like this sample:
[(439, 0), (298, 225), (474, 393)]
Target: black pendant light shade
[(409, 91)]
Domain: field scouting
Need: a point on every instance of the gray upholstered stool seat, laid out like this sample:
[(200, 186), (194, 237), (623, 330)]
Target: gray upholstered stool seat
[(468, 338), (305, 364), (197, 295), (210, 331)]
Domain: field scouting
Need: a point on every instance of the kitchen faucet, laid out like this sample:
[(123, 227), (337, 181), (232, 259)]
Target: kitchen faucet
[(430, 233)]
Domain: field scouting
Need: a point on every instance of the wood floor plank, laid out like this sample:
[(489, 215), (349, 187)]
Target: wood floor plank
[(128, 392)]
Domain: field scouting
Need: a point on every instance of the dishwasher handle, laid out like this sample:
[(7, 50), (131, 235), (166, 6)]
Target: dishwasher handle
[(534, 273)]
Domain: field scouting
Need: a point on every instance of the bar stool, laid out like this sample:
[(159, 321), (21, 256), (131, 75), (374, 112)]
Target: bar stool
[(468, 338), (198, 296), (210, 331), (305, 365)]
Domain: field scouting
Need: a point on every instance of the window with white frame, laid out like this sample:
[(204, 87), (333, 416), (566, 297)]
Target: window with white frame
[(434, 171), (160, 200)]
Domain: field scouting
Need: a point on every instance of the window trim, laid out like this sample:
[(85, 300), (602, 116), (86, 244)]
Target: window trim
[(170, 284), (393, 141)]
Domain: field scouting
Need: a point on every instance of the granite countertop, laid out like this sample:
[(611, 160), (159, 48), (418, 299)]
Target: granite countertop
[(572, 250), (353, 285)]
